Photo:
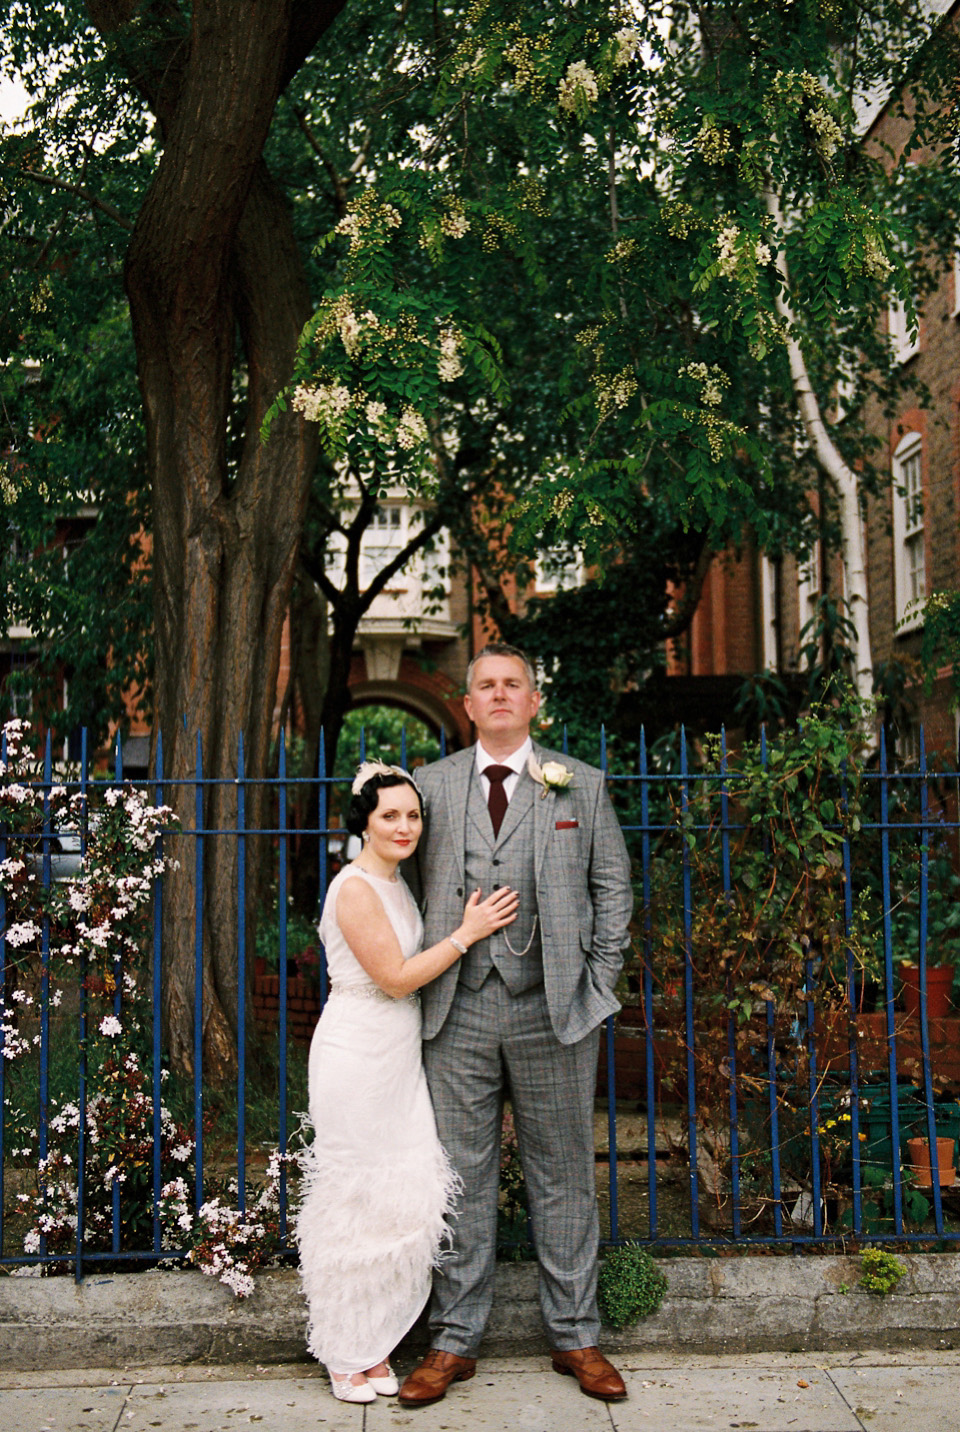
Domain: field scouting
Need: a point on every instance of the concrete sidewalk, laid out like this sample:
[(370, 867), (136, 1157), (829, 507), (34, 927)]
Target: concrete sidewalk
[(856, 1392)]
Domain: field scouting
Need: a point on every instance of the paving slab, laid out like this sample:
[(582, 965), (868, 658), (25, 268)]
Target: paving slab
[(55, 1409), (779, 1392), (528, 1398), (890, 1399), (294, 1405), (790, 1399)]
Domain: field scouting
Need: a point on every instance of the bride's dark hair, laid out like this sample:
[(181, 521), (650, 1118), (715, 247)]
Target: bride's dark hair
[(365, 800)]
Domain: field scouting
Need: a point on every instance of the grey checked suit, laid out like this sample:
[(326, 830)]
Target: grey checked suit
[(528, 1024)]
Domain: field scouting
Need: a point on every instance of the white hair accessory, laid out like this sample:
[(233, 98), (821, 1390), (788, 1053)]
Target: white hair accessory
[(368, 769)]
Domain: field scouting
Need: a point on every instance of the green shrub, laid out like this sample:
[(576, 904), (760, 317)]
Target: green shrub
[(880, 1272), (630, 1286)]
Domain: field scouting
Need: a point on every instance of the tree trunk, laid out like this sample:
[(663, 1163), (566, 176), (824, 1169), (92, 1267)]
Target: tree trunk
[(213, 256)]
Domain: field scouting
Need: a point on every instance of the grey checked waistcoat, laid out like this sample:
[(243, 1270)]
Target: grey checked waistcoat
[(508, 860)]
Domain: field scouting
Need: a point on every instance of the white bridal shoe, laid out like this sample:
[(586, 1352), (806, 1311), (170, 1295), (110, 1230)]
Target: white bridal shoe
[(346, 1391), (386, 1386)]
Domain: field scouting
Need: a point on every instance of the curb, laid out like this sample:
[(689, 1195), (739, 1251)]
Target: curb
[(712, 1305)]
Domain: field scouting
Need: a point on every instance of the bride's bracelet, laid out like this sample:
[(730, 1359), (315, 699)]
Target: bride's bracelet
[(460, 948)]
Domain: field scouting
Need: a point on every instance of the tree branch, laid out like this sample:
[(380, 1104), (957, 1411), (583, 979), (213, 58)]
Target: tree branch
[(841, 477), (81, 193)]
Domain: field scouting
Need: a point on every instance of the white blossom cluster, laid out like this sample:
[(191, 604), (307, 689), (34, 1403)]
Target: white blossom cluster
[(327, 402), (13, 1042), (712, 382), (450, 363), (735, 248), (829, 135), (713, 141), (875, 261), (578, 89), (411, 429), (225, 1243), (614, 391), (366, 214), (727, 257), (627, 43), (454, 223)]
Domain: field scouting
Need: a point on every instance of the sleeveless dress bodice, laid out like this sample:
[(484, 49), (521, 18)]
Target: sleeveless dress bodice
[(343, 967)]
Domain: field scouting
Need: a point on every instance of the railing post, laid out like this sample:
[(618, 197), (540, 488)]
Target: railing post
[(3, 986), (84, 1034), (922, 964), (323, 821), (884, 777), (157, 1069), (772, 1091), (611, 1077), (731, 1017), (282, 1022), (43, 1113), (688, 986), (852, 1045), (198, 975), (646, 996), (241, 981)]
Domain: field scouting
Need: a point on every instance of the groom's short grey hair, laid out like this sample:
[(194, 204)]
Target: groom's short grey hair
[(501, 648)]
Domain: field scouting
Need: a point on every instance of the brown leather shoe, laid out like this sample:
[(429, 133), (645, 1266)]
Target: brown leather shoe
[(429, 1382), (596, 1376)]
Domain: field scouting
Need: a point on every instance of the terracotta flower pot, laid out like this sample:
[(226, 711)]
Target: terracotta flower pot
[(939, 985), (919, 1151)]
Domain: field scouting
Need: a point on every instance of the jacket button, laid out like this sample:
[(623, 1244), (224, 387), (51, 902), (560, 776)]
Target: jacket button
[(496, 862), (460, 892)]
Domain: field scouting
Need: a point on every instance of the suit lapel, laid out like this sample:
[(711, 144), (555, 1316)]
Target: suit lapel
[(520, 803), (456, 787), (543, 814), (477, 813)]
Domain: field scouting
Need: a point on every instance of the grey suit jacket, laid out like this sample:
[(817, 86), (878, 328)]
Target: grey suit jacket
[(583, 887)]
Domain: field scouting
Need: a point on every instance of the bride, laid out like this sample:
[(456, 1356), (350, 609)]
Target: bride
[(377, 1182)]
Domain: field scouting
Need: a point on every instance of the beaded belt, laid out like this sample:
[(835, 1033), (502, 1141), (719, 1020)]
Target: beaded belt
[(372, 991)]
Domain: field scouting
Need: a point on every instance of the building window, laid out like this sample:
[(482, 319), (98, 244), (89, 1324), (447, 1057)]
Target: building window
[(909, 560), (559, 569), (383, 539), (393, 526)]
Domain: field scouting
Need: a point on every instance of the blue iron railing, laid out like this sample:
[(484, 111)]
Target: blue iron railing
[(780, 1154)]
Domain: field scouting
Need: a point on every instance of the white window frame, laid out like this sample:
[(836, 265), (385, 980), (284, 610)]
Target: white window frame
[(768, 610), (909, 534), (559, 569), (808, 585)]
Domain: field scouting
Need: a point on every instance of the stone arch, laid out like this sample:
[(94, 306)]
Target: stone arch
[(429, 695)]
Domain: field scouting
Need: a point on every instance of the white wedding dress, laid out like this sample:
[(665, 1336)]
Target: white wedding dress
[(377, 1184)]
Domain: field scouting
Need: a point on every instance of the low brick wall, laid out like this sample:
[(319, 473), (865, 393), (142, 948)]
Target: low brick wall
[(303, 1006)]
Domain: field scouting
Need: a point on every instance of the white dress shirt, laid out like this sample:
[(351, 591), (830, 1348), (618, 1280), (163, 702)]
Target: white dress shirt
[(517, 763)]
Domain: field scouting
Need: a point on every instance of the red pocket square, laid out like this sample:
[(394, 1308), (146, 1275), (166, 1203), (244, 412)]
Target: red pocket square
[(567, 825)]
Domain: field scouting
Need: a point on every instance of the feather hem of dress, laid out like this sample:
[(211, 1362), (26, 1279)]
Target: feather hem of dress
[(369, 1236)]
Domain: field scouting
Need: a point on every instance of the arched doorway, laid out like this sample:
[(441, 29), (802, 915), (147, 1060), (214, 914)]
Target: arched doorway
[(428, 696)]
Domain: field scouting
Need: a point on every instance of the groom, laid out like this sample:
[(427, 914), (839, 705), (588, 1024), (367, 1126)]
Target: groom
[(520, 1012)]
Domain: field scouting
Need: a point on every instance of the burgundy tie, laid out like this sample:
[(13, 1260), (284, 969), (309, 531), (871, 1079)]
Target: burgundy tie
[(497, 798)]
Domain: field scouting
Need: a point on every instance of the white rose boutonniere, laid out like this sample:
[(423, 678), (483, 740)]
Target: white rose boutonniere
[(552, 776)]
